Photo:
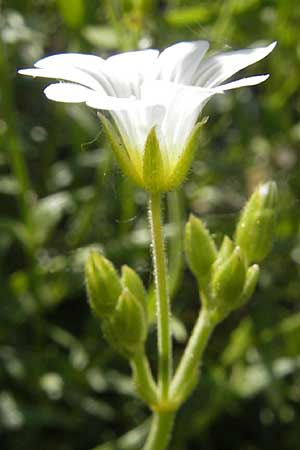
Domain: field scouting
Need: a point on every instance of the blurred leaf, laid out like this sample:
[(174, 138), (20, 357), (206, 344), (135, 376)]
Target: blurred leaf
[(182, 17), (101, 36), (48, 212), (130, 441), (72, 11)]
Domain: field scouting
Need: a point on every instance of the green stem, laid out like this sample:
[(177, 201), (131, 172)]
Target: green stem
[(143, 378), (162, 298), (175, 242), (193, 352), (160, 432)]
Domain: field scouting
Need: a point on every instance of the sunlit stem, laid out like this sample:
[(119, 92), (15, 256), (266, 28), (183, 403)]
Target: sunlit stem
[(162, 297), (160, 431), (193, 352), (144, 381)]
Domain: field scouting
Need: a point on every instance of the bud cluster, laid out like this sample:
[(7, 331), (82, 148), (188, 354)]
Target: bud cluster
[(119, 302), (227, 276)]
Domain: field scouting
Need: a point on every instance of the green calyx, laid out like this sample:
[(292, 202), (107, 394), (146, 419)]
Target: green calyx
[(154, 166), (226, 277), (255, 230), (103, 284), (228, 281), (225, 280), (200, 250), (153, 169), (129, 163), (126, 329), (185, 160), (134, 284), (120, 304)]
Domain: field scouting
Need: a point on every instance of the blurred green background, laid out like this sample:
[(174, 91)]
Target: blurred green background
[(61, 387)]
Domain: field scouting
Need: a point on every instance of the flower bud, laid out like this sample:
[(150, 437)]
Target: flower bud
[(134, 284), (103, 284), (200, 250), (255, 229), (228, 280), (126, 330)]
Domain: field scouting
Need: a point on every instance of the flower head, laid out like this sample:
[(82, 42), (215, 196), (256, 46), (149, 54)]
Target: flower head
[(154, 99)]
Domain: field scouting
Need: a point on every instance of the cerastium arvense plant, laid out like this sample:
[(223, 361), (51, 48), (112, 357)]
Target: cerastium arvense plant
[(154, 102)]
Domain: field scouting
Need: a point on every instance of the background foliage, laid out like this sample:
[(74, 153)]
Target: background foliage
[(61, 387)]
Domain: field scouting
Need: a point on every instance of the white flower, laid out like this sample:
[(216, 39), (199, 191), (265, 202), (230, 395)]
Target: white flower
[(146, 89)]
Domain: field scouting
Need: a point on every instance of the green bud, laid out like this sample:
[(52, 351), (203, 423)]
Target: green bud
[(228, 280), (184, 163), (256, 226), (226, 249), (200, 250), (250, 284), (103, 284), (134, 284), (126, 330), (153, 165)]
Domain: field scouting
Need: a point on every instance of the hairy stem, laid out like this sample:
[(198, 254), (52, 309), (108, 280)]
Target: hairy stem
[(143, 378), (160, 431), (193, 352), (162, 298)]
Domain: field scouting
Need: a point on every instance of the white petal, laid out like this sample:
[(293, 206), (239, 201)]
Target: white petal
[(78, 60), (220, 67), (64, 73), (249, 81), (179, 62), (142, 61), (135, 124), (111, 103), (67, 92), (92, 65), (128, 70), (183, 106)]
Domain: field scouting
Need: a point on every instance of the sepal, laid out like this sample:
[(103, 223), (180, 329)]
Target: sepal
[(250, 284), (134, 284), (126, 330), (128, 166), (153, 164), (228, 282), (103, 284), (200, 250), (185, 160)]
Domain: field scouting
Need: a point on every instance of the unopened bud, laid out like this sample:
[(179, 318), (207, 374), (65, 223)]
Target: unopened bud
[(103, 284), (126, 330), (134, 284), (200, 250), (255, 229), (228, 280)]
